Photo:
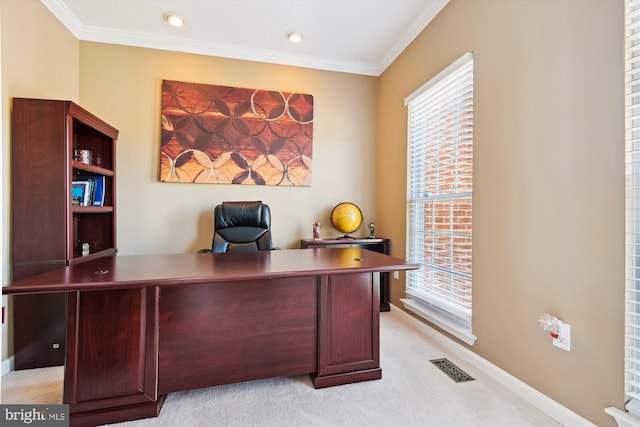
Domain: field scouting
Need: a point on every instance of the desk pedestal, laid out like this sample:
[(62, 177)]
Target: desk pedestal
[(111, 359), (348, 330)]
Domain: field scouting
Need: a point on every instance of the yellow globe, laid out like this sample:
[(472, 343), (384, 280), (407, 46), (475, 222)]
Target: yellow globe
[(346, 217)]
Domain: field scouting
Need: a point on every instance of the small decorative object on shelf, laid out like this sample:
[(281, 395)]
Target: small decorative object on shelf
[(316, 230), (372, 229), (85, 249), (84, 156)]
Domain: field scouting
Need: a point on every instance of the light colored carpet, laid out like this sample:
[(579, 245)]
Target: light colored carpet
[(412, 392), (43, 385)]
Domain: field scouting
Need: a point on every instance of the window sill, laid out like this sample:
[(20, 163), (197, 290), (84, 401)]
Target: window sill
[(441, 319), (623, 419)]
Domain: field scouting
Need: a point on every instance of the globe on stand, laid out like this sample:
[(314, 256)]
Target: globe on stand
[(346, 218)]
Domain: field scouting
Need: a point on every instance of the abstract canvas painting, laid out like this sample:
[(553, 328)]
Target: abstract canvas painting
[(229, 135)]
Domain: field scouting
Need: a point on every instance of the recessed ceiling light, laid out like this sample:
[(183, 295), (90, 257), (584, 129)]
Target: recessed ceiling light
[(294, 37), (174, 19)]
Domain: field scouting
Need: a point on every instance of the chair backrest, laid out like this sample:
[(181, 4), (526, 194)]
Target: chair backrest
[(242, 226)]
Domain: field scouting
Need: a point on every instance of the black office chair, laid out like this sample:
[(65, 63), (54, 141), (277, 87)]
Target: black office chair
[(241, 227)]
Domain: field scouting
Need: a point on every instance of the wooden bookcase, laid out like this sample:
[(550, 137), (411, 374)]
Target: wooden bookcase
[(377, 245), (48, 231)]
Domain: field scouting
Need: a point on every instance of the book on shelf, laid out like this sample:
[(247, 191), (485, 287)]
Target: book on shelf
[(81, 193), (97, 189)]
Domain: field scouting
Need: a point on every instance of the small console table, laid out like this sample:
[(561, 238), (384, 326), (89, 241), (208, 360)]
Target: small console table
[(382, 246)]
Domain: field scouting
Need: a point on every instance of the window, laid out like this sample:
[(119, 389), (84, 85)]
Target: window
[(439, 199), (632, 206)]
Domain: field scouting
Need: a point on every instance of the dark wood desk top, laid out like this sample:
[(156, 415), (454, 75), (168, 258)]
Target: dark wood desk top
[(120, 272)]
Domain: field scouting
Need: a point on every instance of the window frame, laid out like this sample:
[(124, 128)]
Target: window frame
[(449, 97), (632, 207)]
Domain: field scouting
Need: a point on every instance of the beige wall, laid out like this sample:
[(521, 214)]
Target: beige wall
[(39, 60), (548, 184), (122, 85)]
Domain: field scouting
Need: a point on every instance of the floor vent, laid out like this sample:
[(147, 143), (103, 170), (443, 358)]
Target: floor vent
[(452, 371)]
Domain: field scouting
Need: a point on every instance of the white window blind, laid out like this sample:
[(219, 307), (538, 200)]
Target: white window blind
[(439, 198), (632, 208)]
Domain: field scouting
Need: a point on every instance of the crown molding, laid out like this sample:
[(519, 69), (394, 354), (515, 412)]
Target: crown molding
[(153, 41), (419, 25)]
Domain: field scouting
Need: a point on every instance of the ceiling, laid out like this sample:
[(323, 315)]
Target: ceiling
[(353, 36)]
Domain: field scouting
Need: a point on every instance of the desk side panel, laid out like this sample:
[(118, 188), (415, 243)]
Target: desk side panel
[(111, 354), (221, 333), (349, 329)]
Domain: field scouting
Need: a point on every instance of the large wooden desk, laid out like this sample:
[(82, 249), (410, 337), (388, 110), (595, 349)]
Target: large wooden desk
[(140, 327)]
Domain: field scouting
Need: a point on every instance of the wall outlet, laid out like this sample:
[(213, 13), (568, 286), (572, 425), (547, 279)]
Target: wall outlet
[(564, 336), (396, 275)]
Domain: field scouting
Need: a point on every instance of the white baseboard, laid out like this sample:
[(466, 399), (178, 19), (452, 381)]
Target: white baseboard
[(547, 405), (7, 365)]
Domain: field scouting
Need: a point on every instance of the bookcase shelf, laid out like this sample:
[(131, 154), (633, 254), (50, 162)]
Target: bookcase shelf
[(48, 230), (91, 168), (91, 209)]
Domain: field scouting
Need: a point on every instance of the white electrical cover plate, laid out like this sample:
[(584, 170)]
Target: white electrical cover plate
[(564, 336)]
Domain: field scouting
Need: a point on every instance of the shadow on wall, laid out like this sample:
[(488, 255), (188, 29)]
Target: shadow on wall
[(203, 232)]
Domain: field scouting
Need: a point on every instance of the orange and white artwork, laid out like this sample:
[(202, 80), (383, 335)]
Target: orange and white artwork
[(229, 135)]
